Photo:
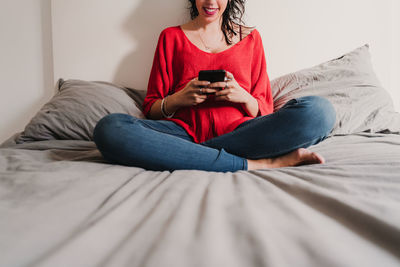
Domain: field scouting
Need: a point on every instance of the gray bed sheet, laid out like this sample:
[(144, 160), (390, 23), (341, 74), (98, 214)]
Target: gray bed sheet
[(62, 205)]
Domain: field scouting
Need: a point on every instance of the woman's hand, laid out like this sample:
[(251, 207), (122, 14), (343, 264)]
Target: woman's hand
[(192, 94), (233, 92)]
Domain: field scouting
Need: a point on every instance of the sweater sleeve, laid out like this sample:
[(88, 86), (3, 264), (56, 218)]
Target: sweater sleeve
[(260, 83), (159, 81)]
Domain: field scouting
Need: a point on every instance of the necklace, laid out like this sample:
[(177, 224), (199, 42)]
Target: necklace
[(204, 44), (208, 48)]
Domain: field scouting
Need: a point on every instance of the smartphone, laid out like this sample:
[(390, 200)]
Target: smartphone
[(212, 75)]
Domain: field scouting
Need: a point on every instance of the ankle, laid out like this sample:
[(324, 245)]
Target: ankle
[(256, 164)]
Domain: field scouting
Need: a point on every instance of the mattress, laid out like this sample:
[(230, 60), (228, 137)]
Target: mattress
[(63, 205)]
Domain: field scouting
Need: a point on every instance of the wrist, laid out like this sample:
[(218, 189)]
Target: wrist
[(163, 108), (171, 105), (251, 106), (250, 100)]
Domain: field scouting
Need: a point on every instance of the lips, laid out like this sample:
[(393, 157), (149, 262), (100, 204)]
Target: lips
[(210, 11)]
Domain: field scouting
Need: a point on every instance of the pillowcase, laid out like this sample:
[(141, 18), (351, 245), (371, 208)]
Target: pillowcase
[(78, 105), (349, 82)]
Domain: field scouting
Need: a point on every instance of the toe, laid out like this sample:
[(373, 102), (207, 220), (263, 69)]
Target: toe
[(319, 158)]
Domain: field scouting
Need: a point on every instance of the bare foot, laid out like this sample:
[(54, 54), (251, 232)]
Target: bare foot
[(297, 157)]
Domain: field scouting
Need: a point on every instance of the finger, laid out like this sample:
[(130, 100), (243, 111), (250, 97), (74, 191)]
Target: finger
[(201, 83), (223, 92), (229, 75), (204, 91), (217, 85), (193, 80), (199, 91), (200, 99), (209, 91)]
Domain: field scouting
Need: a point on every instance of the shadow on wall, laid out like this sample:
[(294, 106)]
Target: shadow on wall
[(144, 25), (47, 48)]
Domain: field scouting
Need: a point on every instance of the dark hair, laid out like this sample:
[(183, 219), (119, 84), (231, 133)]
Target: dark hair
[(232, 15)]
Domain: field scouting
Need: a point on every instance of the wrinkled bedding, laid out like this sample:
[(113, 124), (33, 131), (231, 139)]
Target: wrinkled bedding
[(62, 205)]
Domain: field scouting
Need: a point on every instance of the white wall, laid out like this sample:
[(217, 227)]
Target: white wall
[(300, 34), (395, 66), (91, 42), (110, 40), (26, 71)]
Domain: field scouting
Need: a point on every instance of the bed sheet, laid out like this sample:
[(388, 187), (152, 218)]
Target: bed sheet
[(62, 205)]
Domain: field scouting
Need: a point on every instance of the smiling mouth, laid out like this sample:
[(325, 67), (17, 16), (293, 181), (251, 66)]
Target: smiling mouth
[(210, 11)]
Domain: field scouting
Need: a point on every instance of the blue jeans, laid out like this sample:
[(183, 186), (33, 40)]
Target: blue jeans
[(163, 145)]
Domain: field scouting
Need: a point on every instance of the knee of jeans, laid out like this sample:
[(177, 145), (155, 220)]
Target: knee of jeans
[(107, 126), (320, 114), (324, 113)]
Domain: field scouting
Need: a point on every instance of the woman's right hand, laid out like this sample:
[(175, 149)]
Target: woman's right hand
[(194, 93)]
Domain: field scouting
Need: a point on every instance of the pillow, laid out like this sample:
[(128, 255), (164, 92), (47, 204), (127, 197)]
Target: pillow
[(349, 82), (78, 105)]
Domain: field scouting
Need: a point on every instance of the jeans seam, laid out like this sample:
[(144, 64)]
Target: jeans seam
[(261, 117), (298, 146), (160, 131), (238, 128)]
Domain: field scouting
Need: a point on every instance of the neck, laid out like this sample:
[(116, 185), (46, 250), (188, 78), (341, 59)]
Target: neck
[(210, 34), (214, 26)]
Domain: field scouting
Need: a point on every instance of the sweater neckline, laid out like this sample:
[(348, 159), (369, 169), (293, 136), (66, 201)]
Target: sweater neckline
[(210, 53)]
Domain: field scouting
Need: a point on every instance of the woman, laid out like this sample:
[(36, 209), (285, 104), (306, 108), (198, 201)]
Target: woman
[(222, 126)]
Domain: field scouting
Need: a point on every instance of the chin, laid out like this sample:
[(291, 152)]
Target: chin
[(210, 19)]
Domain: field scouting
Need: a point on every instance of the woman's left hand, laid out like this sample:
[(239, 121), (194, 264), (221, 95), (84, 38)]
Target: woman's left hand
[(231, 91)]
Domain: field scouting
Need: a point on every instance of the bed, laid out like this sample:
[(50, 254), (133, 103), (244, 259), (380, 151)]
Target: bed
[(62, 204)]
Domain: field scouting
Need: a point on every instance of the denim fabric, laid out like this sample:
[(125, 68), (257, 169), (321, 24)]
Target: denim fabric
[(158, 145), (163, 145), (301, 122)]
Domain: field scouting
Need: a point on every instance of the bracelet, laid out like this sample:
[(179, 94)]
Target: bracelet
[(163, 111)]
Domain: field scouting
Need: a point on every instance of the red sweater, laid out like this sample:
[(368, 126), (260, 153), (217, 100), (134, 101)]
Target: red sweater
[(177, 61)]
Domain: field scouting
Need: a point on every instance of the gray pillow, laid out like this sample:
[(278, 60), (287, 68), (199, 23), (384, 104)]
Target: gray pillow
[(351, 85), (78, 105)]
